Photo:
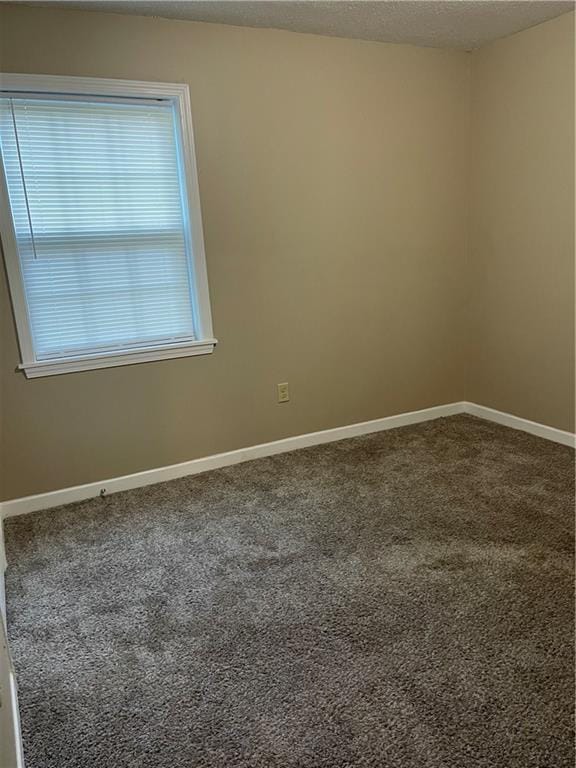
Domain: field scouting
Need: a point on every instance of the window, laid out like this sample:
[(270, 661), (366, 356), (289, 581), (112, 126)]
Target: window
[(102, 231)]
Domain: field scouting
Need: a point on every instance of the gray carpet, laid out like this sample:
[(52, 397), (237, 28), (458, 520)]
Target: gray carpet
[(402, 600)]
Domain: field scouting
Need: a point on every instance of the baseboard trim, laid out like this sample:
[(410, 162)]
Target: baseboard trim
[(162, 474), (524, 425)]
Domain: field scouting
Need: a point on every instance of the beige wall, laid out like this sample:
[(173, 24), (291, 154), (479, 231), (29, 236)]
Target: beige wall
[(333, 178), (522, 225), (382, 232)]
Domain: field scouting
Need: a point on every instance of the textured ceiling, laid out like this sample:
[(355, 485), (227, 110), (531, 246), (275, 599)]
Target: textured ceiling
[(438, 23)]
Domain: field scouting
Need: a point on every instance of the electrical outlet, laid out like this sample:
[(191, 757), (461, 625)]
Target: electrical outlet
[(283, 393)]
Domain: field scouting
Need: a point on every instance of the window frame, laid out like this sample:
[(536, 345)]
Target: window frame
[(179, 95)]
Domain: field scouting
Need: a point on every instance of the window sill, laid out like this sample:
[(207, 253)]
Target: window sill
[(113, 359)]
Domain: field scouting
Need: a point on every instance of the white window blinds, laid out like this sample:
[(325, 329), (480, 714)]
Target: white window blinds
[(99, 205)]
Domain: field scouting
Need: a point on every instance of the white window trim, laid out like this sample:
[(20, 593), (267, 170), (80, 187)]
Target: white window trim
[(89, 86)]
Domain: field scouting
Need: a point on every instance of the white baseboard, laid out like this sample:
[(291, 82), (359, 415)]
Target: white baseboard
[(173, 471), (524, 425)]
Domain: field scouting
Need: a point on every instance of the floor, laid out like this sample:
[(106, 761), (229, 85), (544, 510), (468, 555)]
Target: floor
[(401, 600)]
